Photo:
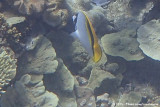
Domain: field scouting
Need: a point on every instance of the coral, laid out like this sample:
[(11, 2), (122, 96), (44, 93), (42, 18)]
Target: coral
[(29, 7), (54, 15), (127, 14), (148, 38), (8, 33), (62, 84), (57, 18), (15, 20), (41, 60), (64, 78), (122, 44), (7, 66), (28, 93)]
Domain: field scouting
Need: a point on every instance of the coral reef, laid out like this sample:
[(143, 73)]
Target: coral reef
[(54, 70), (29, 93), (7, 66), (41, 60), (29, 7), (118, 15), (54, 15), (148, 38), (122, 12), (123, 44)]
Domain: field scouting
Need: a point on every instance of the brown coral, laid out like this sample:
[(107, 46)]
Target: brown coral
[(29, 6), (54, 14), (56, 18), (7, 32)]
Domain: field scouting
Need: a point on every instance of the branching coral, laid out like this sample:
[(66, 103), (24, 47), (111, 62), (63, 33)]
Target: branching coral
[(7, 66)]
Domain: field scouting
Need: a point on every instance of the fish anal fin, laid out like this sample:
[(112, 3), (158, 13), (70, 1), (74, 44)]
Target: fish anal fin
[(75, 34)]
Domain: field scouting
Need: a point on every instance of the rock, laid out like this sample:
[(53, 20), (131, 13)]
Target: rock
[(62, 84), (54, 15), (64, 77), (67, 100), (56, 18), (128, 13), (41, 60), (82, 81), (26, 94), (148, 38), (102, 81), (122, 44), (154, 102), (85, 97), (130, 99), (76, 5), (112, 68), (79, 55), (8, 66), (29, 7), (104, 101)]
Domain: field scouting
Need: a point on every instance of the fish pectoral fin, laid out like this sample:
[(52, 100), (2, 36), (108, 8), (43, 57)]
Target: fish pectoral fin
[(75, 34)]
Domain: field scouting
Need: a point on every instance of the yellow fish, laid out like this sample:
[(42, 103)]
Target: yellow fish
[(85, 32)]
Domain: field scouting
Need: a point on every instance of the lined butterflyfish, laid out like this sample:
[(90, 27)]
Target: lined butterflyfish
[(85, 32)]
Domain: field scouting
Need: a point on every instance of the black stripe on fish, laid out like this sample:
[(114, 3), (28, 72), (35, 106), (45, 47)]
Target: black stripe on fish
[(91, 35)]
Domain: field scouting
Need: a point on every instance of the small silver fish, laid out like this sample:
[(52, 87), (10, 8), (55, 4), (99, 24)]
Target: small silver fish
[(31, 43)]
